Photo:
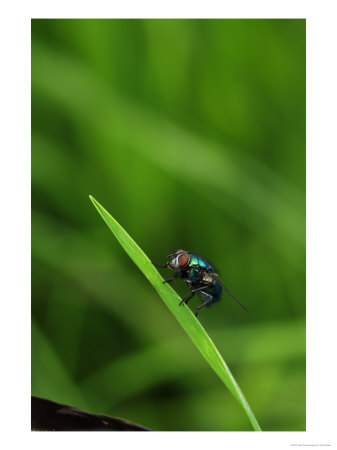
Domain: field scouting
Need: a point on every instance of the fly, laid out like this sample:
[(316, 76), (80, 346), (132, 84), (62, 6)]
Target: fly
[(200, 275)]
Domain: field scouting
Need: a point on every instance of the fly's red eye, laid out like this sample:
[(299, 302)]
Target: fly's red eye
[(183, 259)]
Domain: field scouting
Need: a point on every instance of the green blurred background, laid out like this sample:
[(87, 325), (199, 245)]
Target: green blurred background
[(192, 134)]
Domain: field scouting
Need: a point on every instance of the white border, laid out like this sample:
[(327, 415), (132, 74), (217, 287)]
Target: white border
[(321, 223)]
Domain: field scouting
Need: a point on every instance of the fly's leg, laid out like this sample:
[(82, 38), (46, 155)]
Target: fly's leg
[(171, 279), (200, 288), (207, 302), (187, 298), (161, 266), (190, 295)]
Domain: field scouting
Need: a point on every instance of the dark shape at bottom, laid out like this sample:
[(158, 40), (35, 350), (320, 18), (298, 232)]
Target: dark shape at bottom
[(52, 416)]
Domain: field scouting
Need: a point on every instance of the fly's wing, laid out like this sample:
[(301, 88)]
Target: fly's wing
[(214, 276)]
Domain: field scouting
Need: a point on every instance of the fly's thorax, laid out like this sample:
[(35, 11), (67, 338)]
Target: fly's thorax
[(201, 263)]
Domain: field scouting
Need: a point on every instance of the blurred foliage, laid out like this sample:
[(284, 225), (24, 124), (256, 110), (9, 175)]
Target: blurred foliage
[(192, 134)]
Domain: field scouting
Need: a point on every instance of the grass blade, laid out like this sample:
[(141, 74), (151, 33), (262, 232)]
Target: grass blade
[(183, 314)]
